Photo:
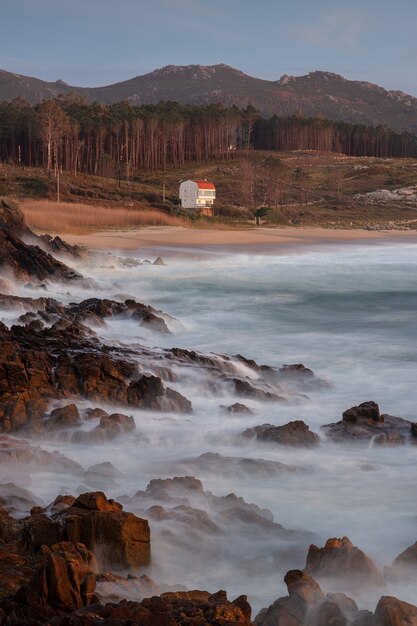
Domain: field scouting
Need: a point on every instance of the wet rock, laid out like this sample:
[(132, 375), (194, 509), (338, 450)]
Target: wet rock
[(404, 566), (148, 392), (26, 261), (66, 416), (238, 409), (215, 463), (58, 245), (109, 428), (113, 588), (245, 389), (159, 261), (17, 500), (18, 453), (303, 593), (342, 562), (296, 370), (295, 433), (393, 612), (364, 423), (97, 413), (122, 539), (363, 413), (60, 503)]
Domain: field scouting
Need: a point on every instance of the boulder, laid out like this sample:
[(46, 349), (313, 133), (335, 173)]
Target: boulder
[(66, 416), (404, 566), (342, 562), (238, 409), (393, 612), (148, 392), (295, 433), (121, 540), (110, 427), (367, 411), (365, 423)]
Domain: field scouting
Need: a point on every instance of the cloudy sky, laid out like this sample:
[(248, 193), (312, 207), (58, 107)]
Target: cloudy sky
[(97, 42)]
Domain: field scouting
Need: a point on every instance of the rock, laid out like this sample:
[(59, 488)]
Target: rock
[(106, 469), (238, 409), (91, 414), (26, 261), (342, 562), (16, 499), (245, 389), (112, 587), (303, 593), (18, 453), (295, 433), (121, 539), (58, 245), (159, 261), (149, 392), (363, 413), (64, 417), (404, 566), (215, 463), (393, 612), (365, 423), (60, 503), (110, 427)]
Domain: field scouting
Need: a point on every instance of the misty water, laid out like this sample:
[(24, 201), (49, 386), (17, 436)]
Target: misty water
[(349, 314)]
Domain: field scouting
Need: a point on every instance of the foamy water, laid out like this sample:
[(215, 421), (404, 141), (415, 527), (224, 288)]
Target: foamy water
[(347, 313)]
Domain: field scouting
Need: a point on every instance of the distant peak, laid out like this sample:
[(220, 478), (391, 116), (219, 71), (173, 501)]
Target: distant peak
[(286, 79), (195, 71), (61, 82), (326, 75)]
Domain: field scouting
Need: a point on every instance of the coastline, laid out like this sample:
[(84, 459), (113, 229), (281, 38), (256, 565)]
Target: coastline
[(248, 240)]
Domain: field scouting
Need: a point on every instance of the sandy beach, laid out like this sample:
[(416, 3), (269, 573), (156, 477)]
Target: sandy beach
[(250, 240)]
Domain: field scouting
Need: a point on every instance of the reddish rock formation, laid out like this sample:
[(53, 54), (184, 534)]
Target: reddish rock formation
[(393, 612), (342, 562)]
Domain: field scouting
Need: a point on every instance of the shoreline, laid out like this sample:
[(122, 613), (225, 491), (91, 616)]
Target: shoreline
[(254, 240)]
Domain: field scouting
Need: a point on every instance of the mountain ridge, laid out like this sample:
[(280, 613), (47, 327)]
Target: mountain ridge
[(319, 91)]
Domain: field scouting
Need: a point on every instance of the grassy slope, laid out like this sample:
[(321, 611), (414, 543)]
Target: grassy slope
[(332, 181)]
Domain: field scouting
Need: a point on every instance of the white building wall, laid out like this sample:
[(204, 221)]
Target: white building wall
[(192, 197), (188, 194)]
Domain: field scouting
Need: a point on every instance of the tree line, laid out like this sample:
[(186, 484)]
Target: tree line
[(123, 140)]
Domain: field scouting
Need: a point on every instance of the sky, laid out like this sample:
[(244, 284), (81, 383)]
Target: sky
[(99, 42)]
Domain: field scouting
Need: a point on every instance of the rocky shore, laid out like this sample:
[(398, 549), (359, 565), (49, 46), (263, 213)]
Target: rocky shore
[(84, 558)]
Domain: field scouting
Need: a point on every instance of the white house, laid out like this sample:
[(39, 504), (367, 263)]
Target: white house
[(198, 194)]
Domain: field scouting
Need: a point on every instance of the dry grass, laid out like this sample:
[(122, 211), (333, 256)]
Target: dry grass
[(78, 218)]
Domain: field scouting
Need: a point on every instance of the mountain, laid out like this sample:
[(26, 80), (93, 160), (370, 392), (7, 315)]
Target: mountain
[(331, 95)]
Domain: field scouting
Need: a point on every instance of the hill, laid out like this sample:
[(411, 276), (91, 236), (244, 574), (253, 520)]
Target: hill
[(330, 94)]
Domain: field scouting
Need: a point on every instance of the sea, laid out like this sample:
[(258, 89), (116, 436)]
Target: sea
[(348, 312)]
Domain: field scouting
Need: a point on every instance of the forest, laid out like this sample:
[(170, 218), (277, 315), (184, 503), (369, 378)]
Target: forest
[(124, 140)]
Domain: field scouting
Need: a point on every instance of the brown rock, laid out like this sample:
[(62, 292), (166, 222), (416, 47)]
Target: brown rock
[(341, 561), (121, 539), (295, 433), (364, 412), (404, 566), (64, 417), (149, 392), (393, 612)]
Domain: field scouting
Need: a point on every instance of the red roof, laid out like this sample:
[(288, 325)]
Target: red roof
[(204, 184)]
